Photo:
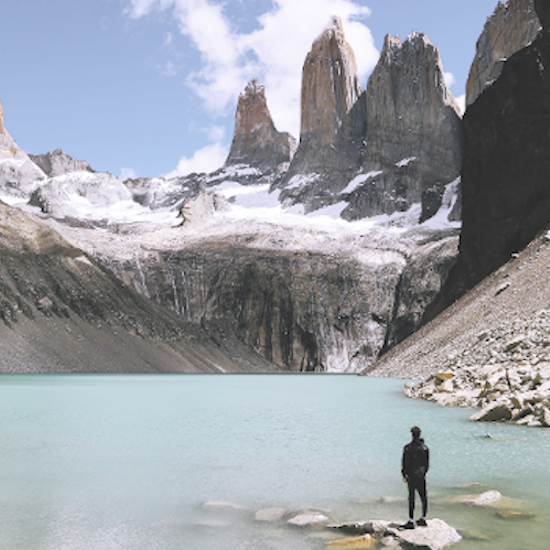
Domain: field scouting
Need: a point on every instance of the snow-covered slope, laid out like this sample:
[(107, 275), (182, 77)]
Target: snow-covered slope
[(19, 176)]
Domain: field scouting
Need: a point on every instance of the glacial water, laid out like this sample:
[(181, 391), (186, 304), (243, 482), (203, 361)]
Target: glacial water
[(128, 462)]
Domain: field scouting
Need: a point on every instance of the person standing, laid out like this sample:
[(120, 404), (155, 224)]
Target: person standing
[(414, 467)]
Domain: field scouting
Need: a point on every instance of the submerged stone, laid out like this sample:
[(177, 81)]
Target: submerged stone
[(269, 514), (362, 542)]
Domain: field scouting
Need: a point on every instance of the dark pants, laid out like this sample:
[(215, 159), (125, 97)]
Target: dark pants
[(417, 484)]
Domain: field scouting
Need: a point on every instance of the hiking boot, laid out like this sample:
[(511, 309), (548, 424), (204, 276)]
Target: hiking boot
[(422, 523), (409, 525)]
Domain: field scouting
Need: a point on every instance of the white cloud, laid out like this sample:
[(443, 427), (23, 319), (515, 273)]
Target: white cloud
[(273, 54), (461, 100), (127, 173), (168, 69), (207, 159), (216, 133), (449, 79)]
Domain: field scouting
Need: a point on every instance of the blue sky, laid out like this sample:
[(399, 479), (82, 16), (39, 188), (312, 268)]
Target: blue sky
[(145, 87)]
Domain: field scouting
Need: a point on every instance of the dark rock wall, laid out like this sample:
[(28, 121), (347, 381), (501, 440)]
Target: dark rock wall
[(506, 170), (512, 26)]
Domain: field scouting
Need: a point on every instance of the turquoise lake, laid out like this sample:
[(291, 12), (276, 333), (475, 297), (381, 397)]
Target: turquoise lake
[(128, 462)]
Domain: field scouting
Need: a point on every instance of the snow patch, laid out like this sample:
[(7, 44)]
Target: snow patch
[(300, 180), (441, 219), (359, 180), (405, 162), (248, 196)]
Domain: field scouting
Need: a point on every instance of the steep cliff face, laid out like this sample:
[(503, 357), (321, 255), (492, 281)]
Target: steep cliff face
[(303, 298), (19, 176), (332, 123), (256, 141), (301, 310), (512, 26), (506, 196), (414, 135), (57, 163)]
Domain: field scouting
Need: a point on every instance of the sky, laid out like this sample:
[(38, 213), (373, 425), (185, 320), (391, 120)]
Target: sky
[(150, 87)]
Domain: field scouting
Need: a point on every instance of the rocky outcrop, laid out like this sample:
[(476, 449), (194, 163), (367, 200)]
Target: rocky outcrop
[(506, 197), (61, 312), (166, 192), (80, 195), (414, 136), (256, 142), (512, 26), (19, 176), (332, 123), (57, 163)]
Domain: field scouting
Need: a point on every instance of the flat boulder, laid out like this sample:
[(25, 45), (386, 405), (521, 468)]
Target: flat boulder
[(436, 536), (308, 519)]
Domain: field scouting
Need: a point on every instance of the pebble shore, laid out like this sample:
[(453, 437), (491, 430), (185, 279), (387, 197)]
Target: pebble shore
[(506, 374)]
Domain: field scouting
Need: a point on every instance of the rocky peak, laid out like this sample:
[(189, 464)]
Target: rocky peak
[(414, 136), (256, 141), (512, 26), (332, 123), (330, 85), (57, 163)]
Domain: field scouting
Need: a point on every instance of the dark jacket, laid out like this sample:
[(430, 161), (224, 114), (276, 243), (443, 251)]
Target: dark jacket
[(416, 459)]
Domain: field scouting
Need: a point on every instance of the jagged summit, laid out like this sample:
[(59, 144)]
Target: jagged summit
[(512, 26), (330, 85), (256, 141), (332, 122), (57, 163), (414, 137)]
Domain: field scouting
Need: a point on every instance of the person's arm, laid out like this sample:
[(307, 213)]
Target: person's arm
[(404, 468), (427, 459)]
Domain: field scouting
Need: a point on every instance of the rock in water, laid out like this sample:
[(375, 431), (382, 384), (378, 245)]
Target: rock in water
[(363, 542), (308, 519), (436, 536), (506, 196), (332, 122), (513, 25), (414, 135), (256, 141)]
